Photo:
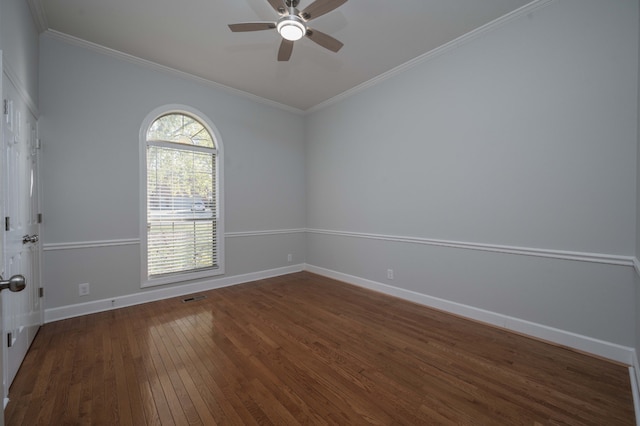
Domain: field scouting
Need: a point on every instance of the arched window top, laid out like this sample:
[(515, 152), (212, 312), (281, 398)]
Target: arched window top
[(180, 128), (182, 183)]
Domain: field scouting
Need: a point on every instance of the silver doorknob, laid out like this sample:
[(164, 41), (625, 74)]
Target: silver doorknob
[(30, 239), (15, 283)]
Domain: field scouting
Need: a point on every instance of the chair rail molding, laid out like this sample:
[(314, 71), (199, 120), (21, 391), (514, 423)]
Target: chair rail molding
[(495, 248), (134, 241)]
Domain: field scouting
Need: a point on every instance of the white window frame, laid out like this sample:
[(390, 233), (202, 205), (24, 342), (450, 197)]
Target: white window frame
[(146, 281)]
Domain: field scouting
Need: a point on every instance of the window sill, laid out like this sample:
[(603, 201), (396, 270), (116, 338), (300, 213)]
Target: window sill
[(181, 278)]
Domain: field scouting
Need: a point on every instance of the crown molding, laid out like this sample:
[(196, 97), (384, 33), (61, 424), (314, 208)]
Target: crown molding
[(75, 41), (39, 15), (40, 19), (453, 44)]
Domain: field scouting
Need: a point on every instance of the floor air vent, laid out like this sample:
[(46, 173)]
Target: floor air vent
[(194, 298)]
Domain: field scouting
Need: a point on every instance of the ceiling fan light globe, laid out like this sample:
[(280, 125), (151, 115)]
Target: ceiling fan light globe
[(291, 29)]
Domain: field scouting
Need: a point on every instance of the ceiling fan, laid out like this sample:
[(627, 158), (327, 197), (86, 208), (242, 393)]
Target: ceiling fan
[(292, 24)]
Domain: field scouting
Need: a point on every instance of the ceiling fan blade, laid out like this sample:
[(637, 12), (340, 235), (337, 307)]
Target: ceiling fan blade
[(324, 40), (319, 8), (286, 47), (251, 26), (278, 5)]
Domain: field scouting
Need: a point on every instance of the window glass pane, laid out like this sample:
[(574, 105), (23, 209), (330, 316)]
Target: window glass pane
[(180, 182), (181, 199), (176, 245), (179, 128)]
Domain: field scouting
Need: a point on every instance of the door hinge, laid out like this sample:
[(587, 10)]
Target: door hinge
[(7, 223), (41, 292), (9, 340), (39, 217), (5, 107)]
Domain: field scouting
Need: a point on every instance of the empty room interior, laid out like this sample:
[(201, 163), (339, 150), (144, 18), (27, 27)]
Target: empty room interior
[(231, 212)]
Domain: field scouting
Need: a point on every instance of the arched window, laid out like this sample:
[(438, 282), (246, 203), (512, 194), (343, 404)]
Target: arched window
[(183, 235)]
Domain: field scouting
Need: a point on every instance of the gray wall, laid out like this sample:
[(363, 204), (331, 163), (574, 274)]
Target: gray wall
[(19, 44), (92, 107), (525, 137), (637, 277)]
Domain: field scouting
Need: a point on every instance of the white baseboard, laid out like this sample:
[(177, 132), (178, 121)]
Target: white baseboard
[(582, 343), (634, 377), (70, 311), (587, 344)]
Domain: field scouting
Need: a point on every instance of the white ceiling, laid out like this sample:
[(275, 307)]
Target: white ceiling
[(192, 36)]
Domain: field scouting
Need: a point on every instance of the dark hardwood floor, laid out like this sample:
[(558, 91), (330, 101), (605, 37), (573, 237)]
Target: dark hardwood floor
[(303, 349)]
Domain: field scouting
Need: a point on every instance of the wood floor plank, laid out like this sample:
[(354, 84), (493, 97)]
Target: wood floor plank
[(305, 349), (143, 407), (225, 376), (203, 388), (151, 382), (166, 378)]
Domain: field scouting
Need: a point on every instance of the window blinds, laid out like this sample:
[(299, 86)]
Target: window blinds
[(181, 206)]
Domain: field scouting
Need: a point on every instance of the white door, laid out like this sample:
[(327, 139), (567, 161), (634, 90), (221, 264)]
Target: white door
[(22, 311), (1, 265)]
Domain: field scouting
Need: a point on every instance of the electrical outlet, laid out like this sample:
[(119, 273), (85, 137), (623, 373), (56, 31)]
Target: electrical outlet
[(390, 274), (289, 258), (83, 289)]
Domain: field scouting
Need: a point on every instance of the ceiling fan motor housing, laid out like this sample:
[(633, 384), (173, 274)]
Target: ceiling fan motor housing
[(291, 27)]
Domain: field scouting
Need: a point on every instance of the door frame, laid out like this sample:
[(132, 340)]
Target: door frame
[(2, 267)]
